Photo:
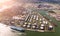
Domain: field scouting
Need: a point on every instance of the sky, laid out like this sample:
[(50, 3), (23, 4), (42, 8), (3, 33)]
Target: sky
[(4, 4)]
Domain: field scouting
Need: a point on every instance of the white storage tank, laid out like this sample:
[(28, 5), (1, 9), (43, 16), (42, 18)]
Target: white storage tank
[(42, 28), (33, 27), (42, 25), (24, 25), (28, 26), (44, 22), (50, 27)]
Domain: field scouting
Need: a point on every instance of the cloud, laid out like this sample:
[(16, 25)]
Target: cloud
[(27, 1)]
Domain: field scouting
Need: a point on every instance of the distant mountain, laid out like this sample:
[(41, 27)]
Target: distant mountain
[(33, 1), (50, 1)]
